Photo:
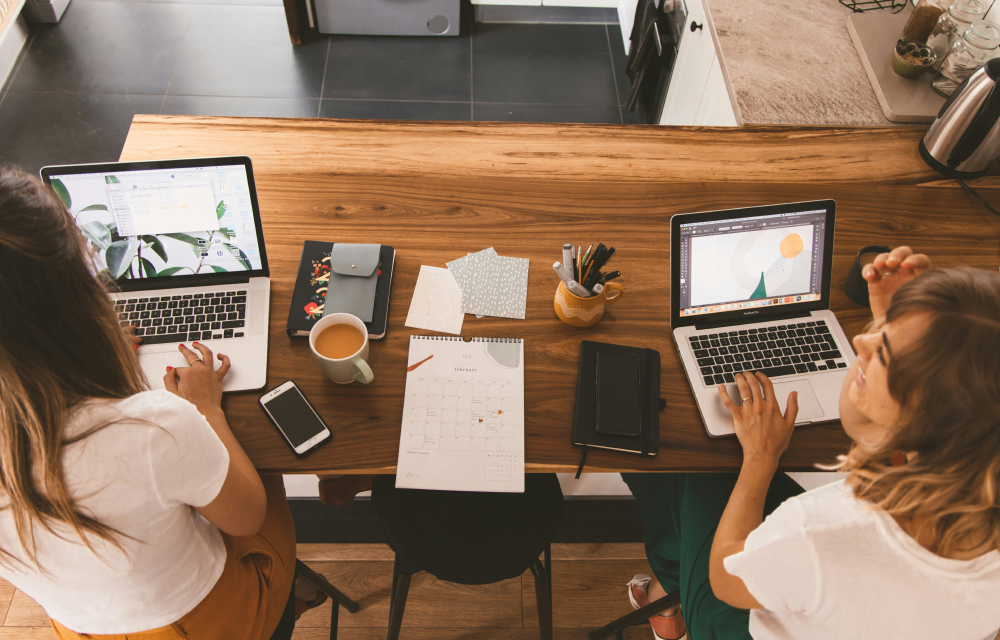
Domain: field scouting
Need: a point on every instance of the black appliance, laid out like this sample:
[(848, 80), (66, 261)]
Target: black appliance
[(656, 36)]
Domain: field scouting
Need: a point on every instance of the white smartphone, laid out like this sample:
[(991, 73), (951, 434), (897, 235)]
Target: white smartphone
[(294, 417)]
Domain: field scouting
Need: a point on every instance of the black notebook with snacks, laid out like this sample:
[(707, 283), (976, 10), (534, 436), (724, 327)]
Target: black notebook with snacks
[(617, 399), (342, 277)]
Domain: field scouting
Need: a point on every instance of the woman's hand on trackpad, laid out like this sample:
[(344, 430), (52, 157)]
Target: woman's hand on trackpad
[(200, 383), (761, 428)]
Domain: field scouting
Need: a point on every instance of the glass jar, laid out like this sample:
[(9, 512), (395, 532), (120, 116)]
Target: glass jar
[(953, 23), (924, 18), (978, 45)]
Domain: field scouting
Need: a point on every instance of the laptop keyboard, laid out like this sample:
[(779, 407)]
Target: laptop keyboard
[(780, 350), (185, 318)]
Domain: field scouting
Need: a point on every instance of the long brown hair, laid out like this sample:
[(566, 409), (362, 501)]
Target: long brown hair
[(60, 344), (948, 385)]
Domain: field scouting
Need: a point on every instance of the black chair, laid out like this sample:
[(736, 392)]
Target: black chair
[(470, 538), (639, 616), (287, 624)]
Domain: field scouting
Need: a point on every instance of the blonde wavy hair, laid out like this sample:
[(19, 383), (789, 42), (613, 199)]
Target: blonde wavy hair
[(60, 345), (948, 385)]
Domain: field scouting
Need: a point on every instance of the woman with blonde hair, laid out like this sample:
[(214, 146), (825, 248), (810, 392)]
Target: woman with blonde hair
[(908, 544), (124, 512)]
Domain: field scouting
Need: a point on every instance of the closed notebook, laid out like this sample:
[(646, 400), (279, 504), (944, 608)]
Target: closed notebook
[(312, 288), (618, 398)]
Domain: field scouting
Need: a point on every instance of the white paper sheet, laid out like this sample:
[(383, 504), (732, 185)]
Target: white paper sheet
[(463, 415), (437, 302)]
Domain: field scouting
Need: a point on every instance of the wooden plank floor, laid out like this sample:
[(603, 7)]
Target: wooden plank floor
[(588, 591)]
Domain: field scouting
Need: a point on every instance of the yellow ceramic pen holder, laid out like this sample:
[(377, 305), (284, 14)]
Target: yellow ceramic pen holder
[(585, 312)]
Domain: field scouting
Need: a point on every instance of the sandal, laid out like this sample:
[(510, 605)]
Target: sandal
[(667, 625)]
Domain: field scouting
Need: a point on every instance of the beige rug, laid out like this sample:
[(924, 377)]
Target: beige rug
[(793, 62)]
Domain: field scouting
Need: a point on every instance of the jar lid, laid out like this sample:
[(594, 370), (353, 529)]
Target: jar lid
[(983, 34), (968, 10)]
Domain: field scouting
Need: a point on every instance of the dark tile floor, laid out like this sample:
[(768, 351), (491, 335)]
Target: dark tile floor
[(77, 84)]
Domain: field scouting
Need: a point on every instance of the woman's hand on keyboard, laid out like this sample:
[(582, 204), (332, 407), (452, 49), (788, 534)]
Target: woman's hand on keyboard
[(889, 272), (762, 430), (131, 337), (200, 383)]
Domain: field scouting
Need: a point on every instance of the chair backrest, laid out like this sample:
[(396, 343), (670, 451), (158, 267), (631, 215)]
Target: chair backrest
[(468, 537)]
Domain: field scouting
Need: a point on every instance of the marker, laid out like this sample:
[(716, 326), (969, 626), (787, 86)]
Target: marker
[(612, 275), (571, 284), (598, 289), (563, 273), (578, 290), (568, 257)]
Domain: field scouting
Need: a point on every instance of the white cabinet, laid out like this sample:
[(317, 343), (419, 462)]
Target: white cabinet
[(697, 93), (716, 108)]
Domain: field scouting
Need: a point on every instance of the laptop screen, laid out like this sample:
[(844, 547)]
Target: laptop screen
[(755, 262), (164, 222)]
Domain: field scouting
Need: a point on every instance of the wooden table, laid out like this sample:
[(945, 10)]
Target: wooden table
[(436, 191)]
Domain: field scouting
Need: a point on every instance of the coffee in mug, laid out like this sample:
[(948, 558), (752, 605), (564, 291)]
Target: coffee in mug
[(339, 341), (339, 345)]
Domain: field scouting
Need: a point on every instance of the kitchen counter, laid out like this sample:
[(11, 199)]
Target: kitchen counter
[(793, 62)]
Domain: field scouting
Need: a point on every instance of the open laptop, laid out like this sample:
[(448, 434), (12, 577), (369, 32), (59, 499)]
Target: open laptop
[(184, 241), (750, 291)]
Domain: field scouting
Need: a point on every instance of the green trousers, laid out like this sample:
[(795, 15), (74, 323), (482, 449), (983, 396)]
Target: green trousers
[(680, 513)]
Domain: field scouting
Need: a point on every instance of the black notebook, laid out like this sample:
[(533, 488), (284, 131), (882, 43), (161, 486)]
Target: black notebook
[(309, 296), (618, 399)]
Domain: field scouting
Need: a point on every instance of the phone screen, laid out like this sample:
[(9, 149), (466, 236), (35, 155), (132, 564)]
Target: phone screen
[(618, 394), (294, 416)]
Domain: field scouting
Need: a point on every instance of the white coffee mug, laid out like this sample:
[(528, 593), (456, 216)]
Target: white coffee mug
[(343, 370)]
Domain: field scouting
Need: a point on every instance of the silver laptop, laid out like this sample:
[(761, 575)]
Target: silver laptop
[(750, 291), (184, 241)]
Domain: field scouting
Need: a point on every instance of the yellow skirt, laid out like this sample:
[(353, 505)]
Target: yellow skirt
[(250, 597)]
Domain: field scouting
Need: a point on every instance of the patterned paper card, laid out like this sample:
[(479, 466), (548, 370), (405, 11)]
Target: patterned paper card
[(492, 285)]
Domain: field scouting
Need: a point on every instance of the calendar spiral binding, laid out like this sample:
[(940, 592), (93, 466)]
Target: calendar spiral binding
[(460, 339)]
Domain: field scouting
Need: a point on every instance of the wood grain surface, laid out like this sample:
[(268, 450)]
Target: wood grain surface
[(436, 191)]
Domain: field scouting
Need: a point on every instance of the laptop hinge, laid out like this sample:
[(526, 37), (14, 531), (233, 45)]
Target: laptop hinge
[(150, 284), (732, 322)]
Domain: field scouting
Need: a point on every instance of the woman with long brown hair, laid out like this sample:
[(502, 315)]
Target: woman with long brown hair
[(908, 544), (122, 510)]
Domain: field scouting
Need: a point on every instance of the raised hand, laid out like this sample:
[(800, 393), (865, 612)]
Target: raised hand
[(889, 272)]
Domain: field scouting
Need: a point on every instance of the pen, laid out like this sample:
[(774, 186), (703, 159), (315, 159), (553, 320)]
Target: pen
[(612, 275), (595, 263), (586, 255), (579, 263)]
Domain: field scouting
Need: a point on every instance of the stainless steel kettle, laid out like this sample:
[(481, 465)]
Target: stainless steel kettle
[(965, 137)]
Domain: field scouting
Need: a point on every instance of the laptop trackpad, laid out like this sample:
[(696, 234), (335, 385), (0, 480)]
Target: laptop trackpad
[(809, 408)]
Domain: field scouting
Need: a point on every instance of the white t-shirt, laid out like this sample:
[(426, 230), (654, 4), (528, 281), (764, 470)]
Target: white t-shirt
[(826, 565), (140, 475)]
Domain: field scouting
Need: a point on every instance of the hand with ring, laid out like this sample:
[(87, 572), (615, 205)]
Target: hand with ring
[(761, 429), (200, 383)]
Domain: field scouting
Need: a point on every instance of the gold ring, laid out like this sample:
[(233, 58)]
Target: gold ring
[(747, 399), (191, 362)]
